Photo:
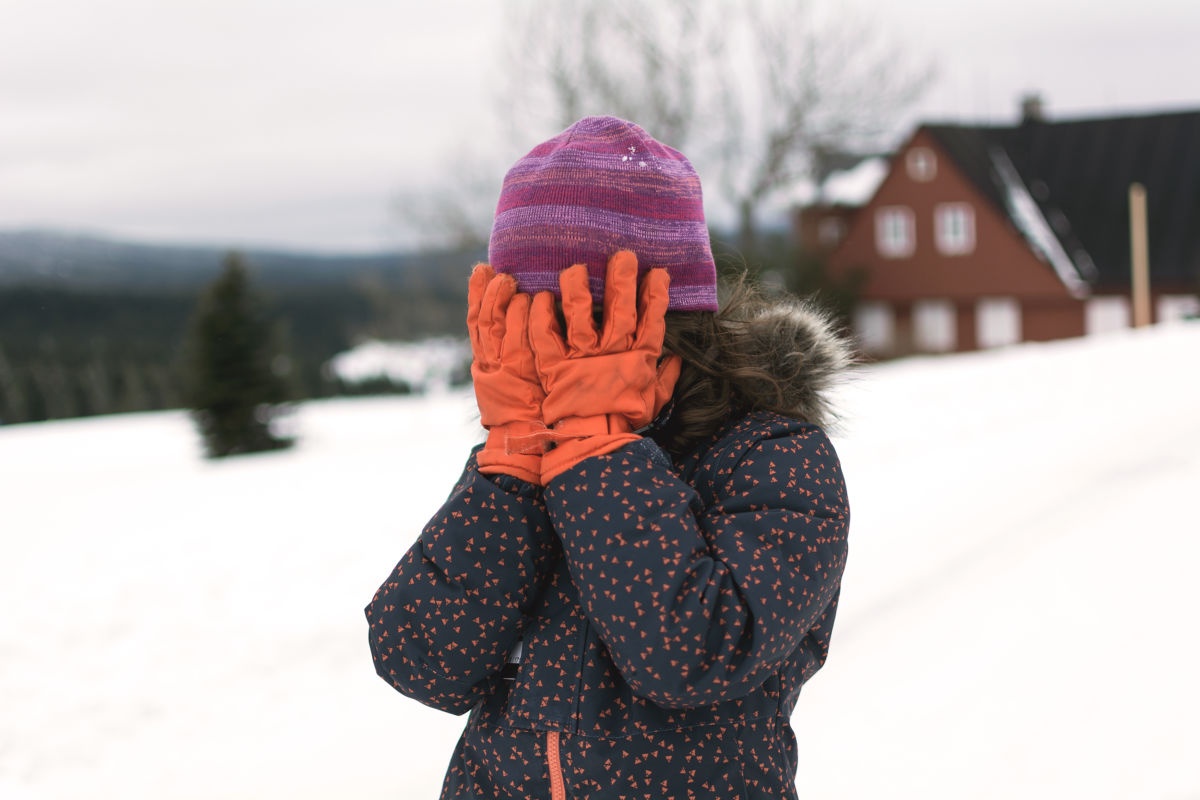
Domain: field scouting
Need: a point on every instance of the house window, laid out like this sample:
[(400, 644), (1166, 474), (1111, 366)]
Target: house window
[(875, 327), (997, 322), (921, 164), (935, 326), (831, 231), (954, 228), (895, 233), (1176, 307), (1106, 314)]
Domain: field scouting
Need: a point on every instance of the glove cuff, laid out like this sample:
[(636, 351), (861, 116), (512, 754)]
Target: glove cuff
[(514, 448), (569, 428), (577, 438)]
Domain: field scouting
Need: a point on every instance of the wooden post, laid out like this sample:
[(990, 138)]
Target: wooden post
[(1139, 245)]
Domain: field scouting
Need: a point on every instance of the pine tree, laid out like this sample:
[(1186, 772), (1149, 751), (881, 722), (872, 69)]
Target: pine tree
[(231, 384), (13, 400)]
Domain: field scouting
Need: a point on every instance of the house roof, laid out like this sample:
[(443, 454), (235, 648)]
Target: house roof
[(1065, 185)]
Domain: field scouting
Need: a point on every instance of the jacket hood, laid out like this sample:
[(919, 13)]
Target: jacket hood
[(807, 355)]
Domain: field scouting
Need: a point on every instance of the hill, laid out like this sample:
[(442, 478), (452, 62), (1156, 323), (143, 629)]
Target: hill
[(60, 260), (94, 326)]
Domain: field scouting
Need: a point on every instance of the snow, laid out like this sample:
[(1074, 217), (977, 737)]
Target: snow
[(1017, 617), (855, 186), (428, 365), (1029, 218)]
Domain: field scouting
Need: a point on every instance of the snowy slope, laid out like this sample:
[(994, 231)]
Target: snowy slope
[(1018, 615)]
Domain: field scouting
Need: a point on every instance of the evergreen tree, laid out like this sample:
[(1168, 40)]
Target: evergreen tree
[(232, 385), (13, 401)]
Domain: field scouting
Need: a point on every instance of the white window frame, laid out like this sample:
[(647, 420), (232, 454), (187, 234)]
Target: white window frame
[(1106, 314), (997, 322), (954, 228), (895, 231), (875, 327), (935, 326), (921, 164)]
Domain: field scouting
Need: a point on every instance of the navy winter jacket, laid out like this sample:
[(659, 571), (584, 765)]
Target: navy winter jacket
[(666, 615)]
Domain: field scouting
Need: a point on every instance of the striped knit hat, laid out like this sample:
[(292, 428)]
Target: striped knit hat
[(600, 186)]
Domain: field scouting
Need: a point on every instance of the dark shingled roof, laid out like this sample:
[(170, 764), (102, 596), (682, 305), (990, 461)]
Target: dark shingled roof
[(1078, 173)]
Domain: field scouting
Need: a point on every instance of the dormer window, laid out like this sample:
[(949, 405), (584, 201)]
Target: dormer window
[(921, 164), (954, 228), (895, 232)]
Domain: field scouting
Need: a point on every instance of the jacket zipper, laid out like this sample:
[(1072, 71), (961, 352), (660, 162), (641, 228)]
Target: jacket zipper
[(558, 791)]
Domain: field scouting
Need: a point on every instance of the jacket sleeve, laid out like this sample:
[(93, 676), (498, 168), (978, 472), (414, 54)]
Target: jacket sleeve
[(700, 601), (443, 623)]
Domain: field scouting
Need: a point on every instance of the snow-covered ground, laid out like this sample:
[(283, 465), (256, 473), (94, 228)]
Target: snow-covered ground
[(428, 365), (1019, 614)]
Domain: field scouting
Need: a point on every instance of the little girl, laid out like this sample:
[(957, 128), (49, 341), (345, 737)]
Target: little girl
[(639, 568)]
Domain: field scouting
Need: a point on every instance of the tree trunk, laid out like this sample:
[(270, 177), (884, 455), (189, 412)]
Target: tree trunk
[(748, 233)]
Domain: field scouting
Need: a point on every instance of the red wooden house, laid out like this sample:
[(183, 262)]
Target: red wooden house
[(986, 236)]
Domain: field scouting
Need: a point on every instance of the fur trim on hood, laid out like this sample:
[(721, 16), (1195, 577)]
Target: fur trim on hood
[(805, 353), (758, 353)]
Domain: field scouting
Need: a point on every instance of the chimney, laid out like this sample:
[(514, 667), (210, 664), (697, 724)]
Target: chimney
[(1032, 109)]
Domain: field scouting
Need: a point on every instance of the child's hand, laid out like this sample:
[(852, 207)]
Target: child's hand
[(506, 382), (601, 385)]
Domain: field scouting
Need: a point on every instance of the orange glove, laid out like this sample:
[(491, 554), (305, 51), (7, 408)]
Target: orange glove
[(506, 381), (601, 386)]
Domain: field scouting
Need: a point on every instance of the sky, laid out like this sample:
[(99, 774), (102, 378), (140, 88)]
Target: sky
[(298, 124)]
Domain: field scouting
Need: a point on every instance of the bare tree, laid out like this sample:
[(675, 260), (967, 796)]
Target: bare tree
[(638, 61), (759, 93), (457, 213)]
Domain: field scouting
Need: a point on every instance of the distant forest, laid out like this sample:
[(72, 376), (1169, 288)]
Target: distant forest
[(92, 326), (96, 327)]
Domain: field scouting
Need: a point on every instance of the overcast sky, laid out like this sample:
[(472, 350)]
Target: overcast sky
[(295, 123)]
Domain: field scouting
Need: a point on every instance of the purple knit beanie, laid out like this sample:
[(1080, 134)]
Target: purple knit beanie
[(600, 186)]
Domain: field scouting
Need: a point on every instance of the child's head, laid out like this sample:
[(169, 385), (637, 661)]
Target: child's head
[(601, 186)]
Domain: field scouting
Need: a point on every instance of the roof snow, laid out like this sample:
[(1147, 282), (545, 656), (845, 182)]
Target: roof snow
[(857, 185), (1026, 215)]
